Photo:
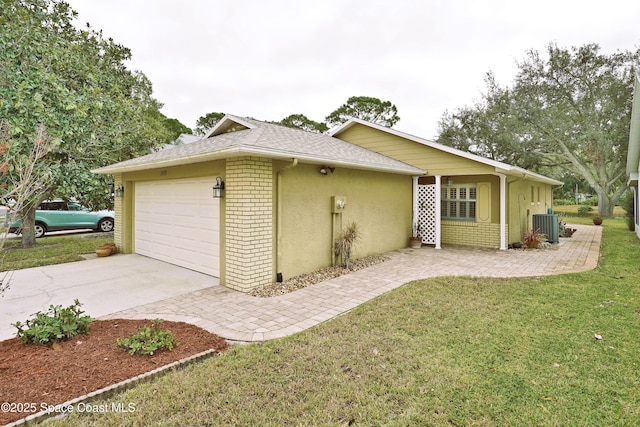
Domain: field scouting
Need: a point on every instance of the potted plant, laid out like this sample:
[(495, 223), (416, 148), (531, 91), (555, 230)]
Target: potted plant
[(564, 230), (415, 241), (597, 219), (532, 239)]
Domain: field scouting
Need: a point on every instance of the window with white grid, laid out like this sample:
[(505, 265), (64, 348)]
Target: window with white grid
[(458, 202)]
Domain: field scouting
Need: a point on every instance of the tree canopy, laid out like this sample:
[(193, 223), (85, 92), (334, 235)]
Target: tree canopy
[(300, 121), (175, 127), (206, 122), (365, 108), (361, 107), (74, 84), (566, 110)]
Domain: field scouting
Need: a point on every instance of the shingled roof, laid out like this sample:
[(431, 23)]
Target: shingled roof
[(234, 136)]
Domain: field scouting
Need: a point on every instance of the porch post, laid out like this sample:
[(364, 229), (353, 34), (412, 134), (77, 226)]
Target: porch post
[(438, 211), (503, 212), (414, 218)]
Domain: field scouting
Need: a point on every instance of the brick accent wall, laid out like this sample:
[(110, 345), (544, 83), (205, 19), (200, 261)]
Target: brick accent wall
[(471, 233), (249, 223)]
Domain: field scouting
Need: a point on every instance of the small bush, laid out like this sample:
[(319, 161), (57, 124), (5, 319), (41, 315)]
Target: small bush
[(627, 204), (148, 340), (591, 201), (584, 209), (57, 324), (563, 202), (345, 242)]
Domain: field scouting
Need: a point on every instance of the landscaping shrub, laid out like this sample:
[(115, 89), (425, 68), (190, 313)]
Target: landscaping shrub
[(345, 242), (564, 202), (626, 202), (584, 209), (148, 340), (57, 324), (591, 201), (533, 238)]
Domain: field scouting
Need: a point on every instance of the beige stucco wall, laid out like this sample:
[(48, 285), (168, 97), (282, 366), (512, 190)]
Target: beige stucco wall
[(253, 250), (380, 203), (256, 243), (526, 198)]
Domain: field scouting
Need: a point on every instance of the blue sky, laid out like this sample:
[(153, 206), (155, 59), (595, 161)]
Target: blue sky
[(271, 58)]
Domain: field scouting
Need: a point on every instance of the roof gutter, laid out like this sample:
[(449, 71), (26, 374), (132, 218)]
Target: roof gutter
[(633, 156), (253, 151)]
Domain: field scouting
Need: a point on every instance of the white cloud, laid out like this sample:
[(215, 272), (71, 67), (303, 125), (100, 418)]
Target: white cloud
[(269, 59)]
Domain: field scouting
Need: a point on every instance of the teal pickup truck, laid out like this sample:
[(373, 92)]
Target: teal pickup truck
[(60, 215)]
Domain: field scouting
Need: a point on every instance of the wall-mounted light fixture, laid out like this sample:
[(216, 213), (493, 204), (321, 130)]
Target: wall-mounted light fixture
[(119, 192), (450, 181), (218, 188), (324, 170)]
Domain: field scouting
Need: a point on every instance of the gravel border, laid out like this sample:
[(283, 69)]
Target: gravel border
[(308, 279)]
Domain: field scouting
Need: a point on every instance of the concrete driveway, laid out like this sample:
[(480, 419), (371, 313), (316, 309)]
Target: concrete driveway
[(103, 286)]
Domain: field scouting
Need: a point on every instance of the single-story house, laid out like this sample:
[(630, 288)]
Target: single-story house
[(255, 202), (633, 155)]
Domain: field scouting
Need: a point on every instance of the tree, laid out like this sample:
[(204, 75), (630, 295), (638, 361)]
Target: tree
[(175, 127), (206, 122), (21, 177), (74, 83), (300, 121), (366, 108), (570, 109)]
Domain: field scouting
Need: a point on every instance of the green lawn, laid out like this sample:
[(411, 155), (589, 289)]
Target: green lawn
[(443, 351), (50, 250), (572, 211)]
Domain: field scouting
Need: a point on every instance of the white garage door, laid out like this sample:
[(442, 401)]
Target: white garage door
[(178, 221)]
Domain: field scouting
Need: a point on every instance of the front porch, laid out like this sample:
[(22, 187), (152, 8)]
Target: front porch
[(462, 213)]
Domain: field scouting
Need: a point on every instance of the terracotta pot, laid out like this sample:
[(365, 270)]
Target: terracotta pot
[(111, 246), (415, 242), (102, 252)]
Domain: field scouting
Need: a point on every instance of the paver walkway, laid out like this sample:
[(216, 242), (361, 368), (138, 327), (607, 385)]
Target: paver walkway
[(240, 317)]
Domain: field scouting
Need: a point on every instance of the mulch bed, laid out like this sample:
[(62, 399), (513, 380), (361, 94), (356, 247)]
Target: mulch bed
[(41, 375)]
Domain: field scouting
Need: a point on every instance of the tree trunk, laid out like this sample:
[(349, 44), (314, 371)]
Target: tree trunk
[(604, 204), (28, 215)]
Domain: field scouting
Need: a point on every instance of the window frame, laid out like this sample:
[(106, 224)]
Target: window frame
[(464, 200)]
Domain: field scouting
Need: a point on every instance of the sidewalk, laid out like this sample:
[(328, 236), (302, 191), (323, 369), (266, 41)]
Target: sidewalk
[(240, 317)]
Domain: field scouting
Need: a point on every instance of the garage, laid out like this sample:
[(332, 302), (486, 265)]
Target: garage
[(178, 221)]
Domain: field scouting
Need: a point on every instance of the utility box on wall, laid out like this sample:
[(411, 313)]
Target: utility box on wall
[(338, 203)]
